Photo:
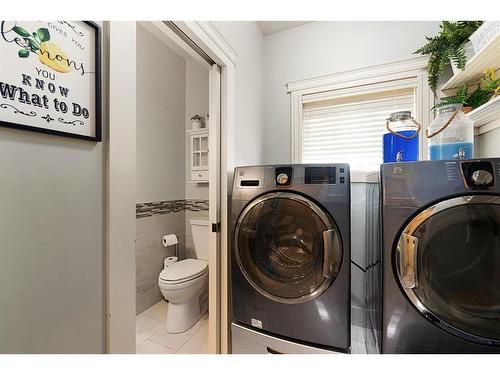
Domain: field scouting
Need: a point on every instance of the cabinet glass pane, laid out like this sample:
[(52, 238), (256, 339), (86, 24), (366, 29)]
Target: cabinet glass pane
[(196, 144), (204, 143), (196, 159), (204, 159)]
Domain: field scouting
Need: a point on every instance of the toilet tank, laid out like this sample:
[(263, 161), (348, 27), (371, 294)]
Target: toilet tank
[(199, 228)]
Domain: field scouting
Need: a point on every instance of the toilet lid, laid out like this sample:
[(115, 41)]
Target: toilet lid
[(184, 270)]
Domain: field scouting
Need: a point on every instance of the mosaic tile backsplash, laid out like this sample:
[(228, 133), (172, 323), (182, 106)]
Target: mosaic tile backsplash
[(165, 207)]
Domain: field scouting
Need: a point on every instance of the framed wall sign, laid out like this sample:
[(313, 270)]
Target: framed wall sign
[(50, 77)]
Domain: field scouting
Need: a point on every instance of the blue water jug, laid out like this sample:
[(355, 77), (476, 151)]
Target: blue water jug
[(401, 139)]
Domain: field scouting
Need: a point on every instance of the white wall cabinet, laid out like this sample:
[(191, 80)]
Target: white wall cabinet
[(198, 141)]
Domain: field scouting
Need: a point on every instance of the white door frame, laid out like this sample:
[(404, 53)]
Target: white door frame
[(121, 181), (121, 189), (214, 211)]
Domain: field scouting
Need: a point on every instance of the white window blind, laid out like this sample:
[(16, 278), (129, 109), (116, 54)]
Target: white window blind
[(349, 128)]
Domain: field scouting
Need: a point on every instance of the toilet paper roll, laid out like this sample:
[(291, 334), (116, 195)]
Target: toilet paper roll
[(168, 261), (169, 240)]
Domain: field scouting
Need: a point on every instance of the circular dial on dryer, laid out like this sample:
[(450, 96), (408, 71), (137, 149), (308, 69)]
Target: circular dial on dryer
[(481, 177)]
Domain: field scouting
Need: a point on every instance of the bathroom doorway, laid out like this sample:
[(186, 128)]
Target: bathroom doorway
[(178, 195)]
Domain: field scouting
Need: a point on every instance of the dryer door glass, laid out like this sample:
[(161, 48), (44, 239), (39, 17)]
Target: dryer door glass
[(453, 256), (281, 247)]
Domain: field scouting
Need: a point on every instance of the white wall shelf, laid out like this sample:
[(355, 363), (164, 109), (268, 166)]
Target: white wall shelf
[(196, 131), (487, 58), (486, 116)]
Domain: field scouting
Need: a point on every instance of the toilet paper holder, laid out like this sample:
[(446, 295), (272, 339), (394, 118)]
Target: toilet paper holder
[(171, 240)]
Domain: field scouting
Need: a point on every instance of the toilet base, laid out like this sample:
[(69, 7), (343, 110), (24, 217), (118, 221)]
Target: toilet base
[(181, 317)]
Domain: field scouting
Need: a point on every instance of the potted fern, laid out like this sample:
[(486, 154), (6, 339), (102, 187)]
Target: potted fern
[(487, 89), (448, 46), (461, 97)]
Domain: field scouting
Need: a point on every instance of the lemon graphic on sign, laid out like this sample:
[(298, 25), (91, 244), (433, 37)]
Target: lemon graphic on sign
[(49, 53), (52, 56)]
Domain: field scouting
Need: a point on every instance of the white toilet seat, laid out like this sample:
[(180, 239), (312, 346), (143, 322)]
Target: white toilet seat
[(183, 271)]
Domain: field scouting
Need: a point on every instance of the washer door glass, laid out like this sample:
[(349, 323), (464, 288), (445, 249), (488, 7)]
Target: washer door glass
[(449, 259), (281, 247)]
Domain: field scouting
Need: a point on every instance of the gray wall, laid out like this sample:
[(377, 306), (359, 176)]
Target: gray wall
[(52, 260), (160, 120), (161, 89), (197, 87), (150, 253)]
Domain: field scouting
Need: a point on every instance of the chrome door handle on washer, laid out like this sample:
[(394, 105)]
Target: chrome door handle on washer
[(408, 248), (329, 261)]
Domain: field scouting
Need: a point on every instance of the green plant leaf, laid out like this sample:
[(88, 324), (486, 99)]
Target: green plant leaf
[(479, 97), (35, 36), (43, 34), (23, 53), (21, 31), (33, 44), (447, 45)]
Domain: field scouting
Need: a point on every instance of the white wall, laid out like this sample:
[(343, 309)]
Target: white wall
[(489, 144), (196, 103), (321, 48), (161, 93), (248, 42)]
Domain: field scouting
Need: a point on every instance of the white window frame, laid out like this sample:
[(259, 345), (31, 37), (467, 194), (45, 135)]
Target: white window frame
[(360, 81)]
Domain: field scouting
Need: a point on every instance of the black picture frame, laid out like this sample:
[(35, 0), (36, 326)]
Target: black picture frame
[(98, 98)]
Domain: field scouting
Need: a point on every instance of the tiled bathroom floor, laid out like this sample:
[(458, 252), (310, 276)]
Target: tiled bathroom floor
[(151, 337)]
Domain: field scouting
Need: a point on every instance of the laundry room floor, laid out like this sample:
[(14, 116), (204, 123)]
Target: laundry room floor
[(358, 340), (151, 337)]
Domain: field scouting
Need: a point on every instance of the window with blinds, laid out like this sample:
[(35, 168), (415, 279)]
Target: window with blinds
[(348, 127)]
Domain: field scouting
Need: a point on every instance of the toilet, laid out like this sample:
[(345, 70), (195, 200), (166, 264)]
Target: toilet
[(185, 283)]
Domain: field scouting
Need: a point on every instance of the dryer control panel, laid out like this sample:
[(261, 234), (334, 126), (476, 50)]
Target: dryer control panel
[(478, 174), (416, 184)]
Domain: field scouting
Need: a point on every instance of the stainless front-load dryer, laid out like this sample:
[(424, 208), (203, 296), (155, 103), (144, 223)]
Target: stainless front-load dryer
[(441, 256), (290, 274)]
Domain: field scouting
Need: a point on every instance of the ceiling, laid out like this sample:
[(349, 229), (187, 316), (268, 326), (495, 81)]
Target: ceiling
[(271, 27)]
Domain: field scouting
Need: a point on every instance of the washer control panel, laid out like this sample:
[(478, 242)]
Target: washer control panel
[(323, 182), (320, 175)]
